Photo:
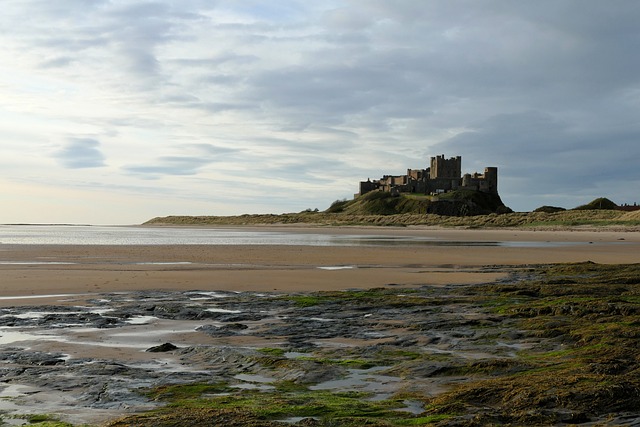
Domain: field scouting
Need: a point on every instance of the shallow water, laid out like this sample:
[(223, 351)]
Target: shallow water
[(114, 235), (368, 380)]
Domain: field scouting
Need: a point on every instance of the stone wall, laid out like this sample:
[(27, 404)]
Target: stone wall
[(446, 168), (442, 176)]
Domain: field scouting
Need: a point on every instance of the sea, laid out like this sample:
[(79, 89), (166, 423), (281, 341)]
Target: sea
[(137, 235)]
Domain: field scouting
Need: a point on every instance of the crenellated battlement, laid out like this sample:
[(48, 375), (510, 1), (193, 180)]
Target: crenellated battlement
[(442, 175)]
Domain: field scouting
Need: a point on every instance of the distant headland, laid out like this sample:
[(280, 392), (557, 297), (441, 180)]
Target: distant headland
[(439, 195), (598, 214)]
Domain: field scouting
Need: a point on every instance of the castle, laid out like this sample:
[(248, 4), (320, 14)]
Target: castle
[(442, 176)]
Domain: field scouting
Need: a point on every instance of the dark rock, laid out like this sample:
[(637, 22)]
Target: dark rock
[(236, 327), (222, 331), (309, 422), (19, 356), (573, 417), (162, 348), (241, 317), (407, 341)]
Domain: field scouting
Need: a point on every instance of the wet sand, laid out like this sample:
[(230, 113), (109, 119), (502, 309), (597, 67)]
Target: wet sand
[(40, 270), (64, 337)]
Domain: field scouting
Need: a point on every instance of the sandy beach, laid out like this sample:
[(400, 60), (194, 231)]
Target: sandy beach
[(78, 321), (40, 270)]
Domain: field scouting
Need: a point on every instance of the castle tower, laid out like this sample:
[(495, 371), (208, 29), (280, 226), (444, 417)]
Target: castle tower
[(446, 168), (491, 180), (466, 180)]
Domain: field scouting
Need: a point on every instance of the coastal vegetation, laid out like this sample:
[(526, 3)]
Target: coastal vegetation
[(544, 345), (557, 344), (380, 209), (461, 208), (593, 312)]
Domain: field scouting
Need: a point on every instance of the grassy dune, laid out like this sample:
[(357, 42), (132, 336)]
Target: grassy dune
[(569, 218)]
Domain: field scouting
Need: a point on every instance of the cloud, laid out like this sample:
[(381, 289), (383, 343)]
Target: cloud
[(80, 153), (315, 96), (170, 166), (198, 157), (539, 155)]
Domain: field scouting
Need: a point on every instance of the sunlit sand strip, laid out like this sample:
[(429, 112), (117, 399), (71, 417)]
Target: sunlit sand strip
[(17, 297), (36, 263)]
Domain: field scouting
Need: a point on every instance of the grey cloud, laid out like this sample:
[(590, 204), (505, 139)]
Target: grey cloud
[(181, 99), (58, 62), (200, 156), (80, 153), (140, 11), (124, 35), (140, 62), (187, 101), (538, 155), (328, 142), (497, 50), (217, 107), (169, 165), (136, 31), (328, 95), (344, 18), (548, 91), (211, 150), (218, 60), (308, 169), (225, 80)]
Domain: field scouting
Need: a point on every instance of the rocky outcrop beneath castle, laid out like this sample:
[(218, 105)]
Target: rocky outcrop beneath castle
[(455, 203), (468, 203), (462, 208)]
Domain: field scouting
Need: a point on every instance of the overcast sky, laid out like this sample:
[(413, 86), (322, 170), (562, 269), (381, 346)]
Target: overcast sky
[(116, 111)]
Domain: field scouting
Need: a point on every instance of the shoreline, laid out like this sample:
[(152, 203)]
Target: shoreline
[(395, 228), (77, 269)]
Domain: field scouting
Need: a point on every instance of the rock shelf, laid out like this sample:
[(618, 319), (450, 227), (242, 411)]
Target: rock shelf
[(445, 355)]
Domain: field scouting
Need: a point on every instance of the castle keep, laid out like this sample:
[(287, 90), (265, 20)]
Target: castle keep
[(442, 176)]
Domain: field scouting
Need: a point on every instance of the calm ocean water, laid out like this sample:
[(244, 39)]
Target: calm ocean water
[(113, 235)]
